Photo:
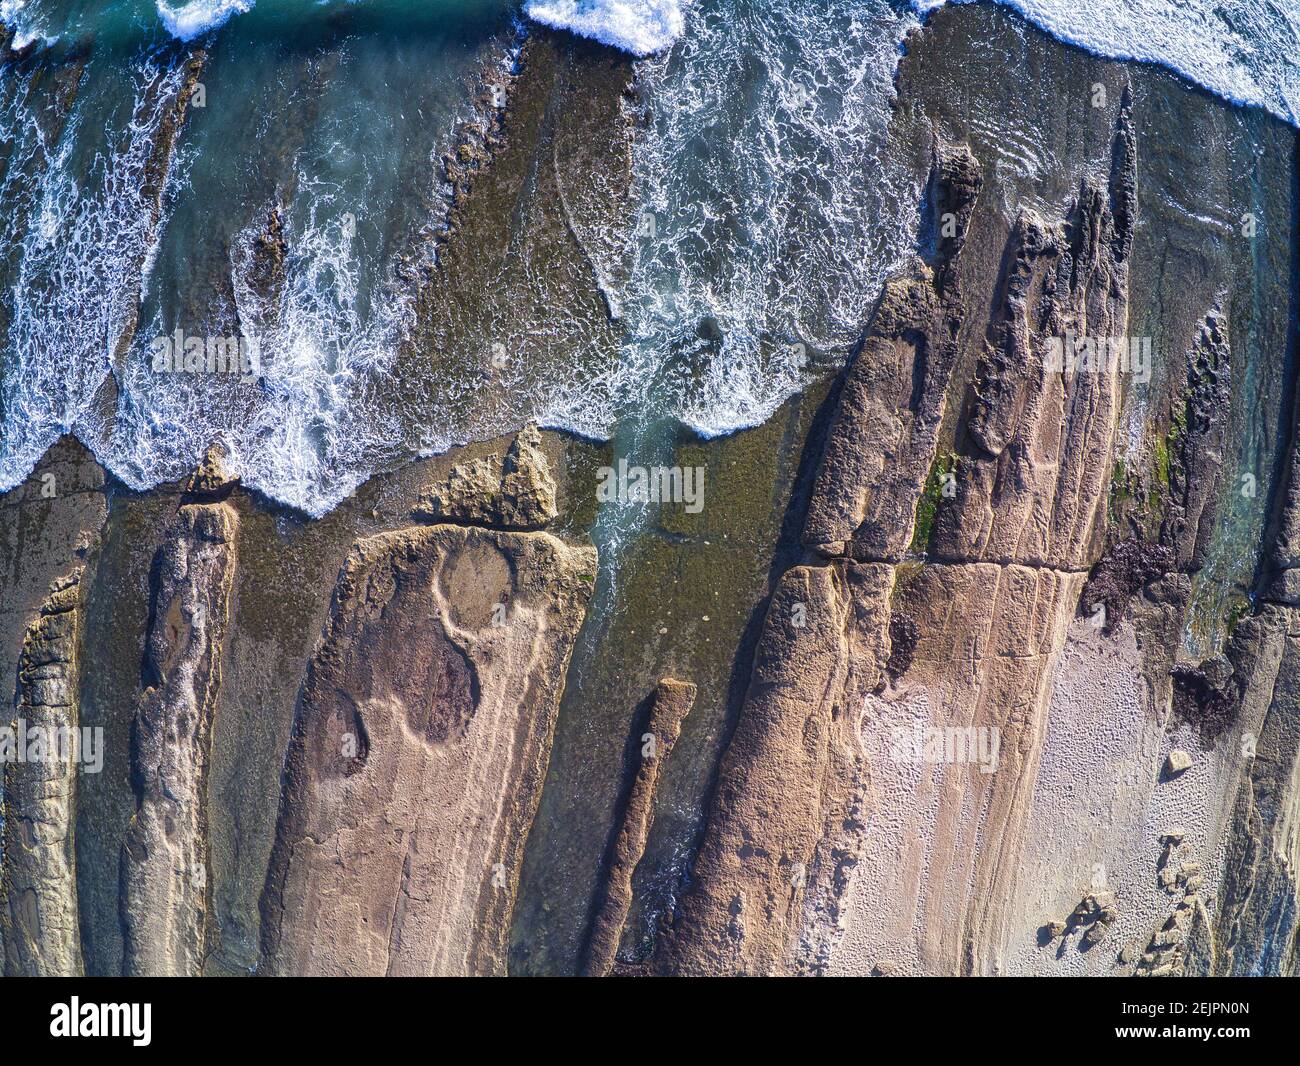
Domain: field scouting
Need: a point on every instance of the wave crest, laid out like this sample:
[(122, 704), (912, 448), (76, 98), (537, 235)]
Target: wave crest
[(641, 27), (199, 16)]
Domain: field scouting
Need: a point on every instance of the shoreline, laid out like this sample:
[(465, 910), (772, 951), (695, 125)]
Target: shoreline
[(702, 597)]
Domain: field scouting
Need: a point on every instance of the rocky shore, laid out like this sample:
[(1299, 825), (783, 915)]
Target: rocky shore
[(435, 731)]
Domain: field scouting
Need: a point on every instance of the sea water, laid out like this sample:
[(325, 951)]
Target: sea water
[(766, 211)]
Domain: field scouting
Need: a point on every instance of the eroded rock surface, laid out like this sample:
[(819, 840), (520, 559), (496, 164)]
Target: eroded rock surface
[(882, 441), (165, 868), (669, 707), (514, 492), (422, 738), (822, 748), (39, 920)]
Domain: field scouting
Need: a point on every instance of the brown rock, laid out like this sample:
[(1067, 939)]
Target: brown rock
[(881, 442), (213, 479), (514, 492), (39, 920), (788, 800), (421, 742), (671, 702), (165, 866)]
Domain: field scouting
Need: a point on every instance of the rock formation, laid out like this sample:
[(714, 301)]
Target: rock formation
[(165, 876), (987, 642), (514, 492), (882, 441), (1016, 526), (39, 919), (423, 734), (669, 707)]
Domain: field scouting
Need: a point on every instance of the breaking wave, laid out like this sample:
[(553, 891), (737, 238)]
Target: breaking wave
[(197, 17), (641, 27), (767, 213), (761, 242), (1247, 51)]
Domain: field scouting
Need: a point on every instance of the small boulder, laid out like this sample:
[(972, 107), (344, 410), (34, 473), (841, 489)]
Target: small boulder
[(213, 479), (511, 492)]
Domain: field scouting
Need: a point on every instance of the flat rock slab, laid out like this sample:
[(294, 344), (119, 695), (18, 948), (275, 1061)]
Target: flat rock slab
[(421, 742)]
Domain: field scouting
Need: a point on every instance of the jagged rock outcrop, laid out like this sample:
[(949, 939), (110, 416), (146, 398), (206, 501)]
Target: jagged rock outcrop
[(1196, 443), (514, 492), (669, 706), (881, 443), (1257, 926), (165, 869), (49, 530), (787, 812), (422, 738), (212, 481), (1010, 550), (822, 738), (41, 749), (1032, 479)]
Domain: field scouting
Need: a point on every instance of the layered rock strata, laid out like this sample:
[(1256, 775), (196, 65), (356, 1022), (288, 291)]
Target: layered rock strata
[(39, 920), (824, 805), (669, 706), (422, 738), (165, 867), (787, 813)]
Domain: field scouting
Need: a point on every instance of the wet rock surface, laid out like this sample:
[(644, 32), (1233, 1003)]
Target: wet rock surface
[(406, 737)]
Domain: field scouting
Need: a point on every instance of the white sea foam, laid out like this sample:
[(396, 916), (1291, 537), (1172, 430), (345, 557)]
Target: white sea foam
[(199, 16), (305, 432), (1247, 51), (765, 249), (767, 245), (641, 27), (88, 235), (26, 27)]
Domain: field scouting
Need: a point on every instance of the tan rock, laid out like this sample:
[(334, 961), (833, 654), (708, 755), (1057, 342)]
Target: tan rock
[(671, 702), (786, 811), (421, 743), (881, 444), (165, 863), (213, 479), (39, 920), (513, 492)]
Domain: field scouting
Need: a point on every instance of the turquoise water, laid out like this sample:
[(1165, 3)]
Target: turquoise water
[(750, 264)]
